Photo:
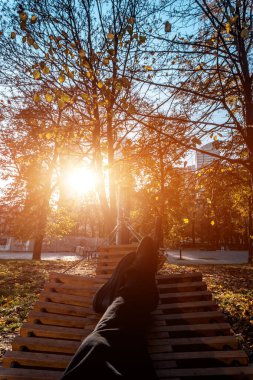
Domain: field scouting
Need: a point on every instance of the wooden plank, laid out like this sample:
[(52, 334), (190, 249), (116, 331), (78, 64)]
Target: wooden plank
[(189, 330), (184, 296), (196, 317), (26, 359), (227, 357), (187, 306), (65, 299), (206, 372), (59, 320), (211, 326), (71, 289), (57, 332), (215, 342), (178, 278), (122, 248), (63, 309), (79, 281), (29, 374), (45, 345), (184, 287), (110, 260)]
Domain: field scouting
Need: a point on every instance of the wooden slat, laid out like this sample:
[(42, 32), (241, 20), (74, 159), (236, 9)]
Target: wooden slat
[(224, 356), (122, 247), (57, 332), (178, 278), (215, 342), (187, 306), (65, 298), (79, 281), (184, 287), (59, 320), (206, 372), (31, 374), (197, 317), (196, 327), (26, 359), (45, 345), (70, 289), (184, 296), (63, 309)]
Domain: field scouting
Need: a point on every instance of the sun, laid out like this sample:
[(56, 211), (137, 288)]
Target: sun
[(80, 181)]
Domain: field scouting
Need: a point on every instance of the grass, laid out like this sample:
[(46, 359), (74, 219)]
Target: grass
[(21, 282)]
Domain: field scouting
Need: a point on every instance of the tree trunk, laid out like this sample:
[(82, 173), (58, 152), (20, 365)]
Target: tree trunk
[(37, 247), (162, 193), (193, 230), (111, 164), (109, 223), (41, 227), (250, 230)]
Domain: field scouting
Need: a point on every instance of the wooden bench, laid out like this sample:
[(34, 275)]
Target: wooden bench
[(188, 336)]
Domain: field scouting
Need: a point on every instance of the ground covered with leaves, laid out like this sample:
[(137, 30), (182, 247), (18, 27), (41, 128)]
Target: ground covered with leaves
[(21, 282)]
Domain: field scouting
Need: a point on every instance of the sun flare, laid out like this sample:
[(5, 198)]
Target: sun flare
[(80, 181)]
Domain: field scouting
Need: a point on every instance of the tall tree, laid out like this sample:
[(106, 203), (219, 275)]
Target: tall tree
[(203, 72)]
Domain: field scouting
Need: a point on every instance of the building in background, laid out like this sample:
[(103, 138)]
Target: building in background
[(202, 159)]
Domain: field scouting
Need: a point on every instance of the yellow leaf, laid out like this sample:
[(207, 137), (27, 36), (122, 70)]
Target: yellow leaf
[(65, 98), (110, 36), (48, 135), (40, 135), (228, 27), (49, 97), (88, 74), (33, 19), (13, 35), (36, 98), (36, 74), (85, 96), (46, 70), (100, 84), (186, 220), (61, 78), (105, 61), (212, 222), (60, 103), (148, 68)]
